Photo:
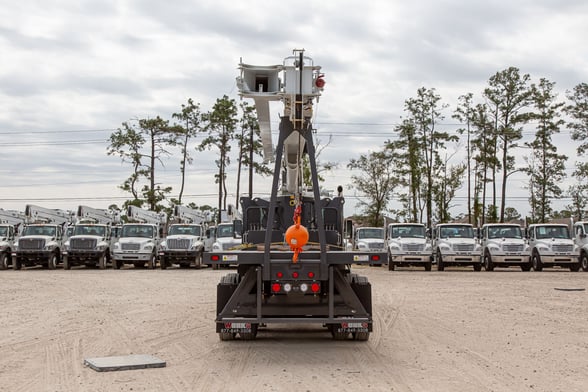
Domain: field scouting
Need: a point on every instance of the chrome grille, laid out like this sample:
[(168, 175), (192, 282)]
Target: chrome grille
[(31, 243), (376, 245), (82, 243), (130, 246), (513, 247), (413, 247), (563, 248), (178, 243), (463, 247)]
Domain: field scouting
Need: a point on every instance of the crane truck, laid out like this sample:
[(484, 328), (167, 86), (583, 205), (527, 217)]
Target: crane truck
[(90, 241), (11, 223), (291, 267), (184, 244), (42, 238), (139, 239)]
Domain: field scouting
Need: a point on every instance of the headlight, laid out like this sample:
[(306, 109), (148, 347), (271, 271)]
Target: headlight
[(543, 248), (427, 247), (163, 245), (101, 247), (362, 245), (477, 248), (148, 247), (216, 246), (445, 247), (493, 247), (117, 246)]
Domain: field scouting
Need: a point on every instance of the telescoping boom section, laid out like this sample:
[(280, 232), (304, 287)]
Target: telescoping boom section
[(291, 267)]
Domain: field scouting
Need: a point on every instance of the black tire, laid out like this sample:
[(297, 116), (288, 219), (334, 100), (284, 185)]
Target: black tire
[(488, 264), (428, 266), (117, 264), (52, 263), (199, 260), (478, 267), (3, 261), (575, 267), (584, 262), (16, 264), (102, 262), (339, 335), (224, 336), (526, 267), (536, 261), (440, 265), (151, 262), (162, 264), (361, 336), (139, 264), (184, 265), (249, 335), (66, 263)]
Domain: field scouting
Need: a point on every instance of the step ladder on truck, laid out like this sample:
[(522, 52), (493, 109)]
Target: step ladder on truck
[(292, 267)]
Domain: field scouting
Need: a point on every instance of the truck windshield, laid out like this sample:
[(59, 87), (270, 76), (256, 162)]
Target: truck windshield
[(552, 232), (407, 231), (39, 230), (505, 232), (89, 230), (224, 231), (456, 231), (184, 230), (137, 231), (370, 233), (3, 231)]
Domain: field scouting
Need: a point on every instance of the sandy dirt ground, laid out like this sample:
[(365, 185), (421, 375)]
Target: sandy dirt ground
[(456, 330)]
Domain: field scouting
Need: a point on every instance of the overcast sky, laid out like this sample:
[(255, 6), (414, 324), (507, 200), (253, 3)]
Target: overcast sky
[(72, 71)]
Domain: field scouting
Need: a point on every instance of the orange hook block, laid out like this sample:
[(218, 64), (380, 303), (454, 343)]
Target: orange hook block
[(296, 237)]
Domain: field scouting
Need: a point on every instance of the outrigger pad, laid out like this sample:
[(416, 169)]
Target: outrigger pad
[(124, 362)]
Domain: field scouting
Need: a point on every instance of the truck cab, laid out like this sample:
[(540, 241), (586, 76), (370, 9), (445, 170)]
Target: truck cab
[(89, 244), (455, 244), (503, 245), (183, 245), (551, 245), (408, 245), (225, 237), (137, 245), (39, 244), (581, 243)]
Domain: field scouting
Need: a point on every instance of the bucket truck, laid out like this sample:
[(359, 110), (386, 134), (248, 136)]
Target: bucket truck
[(91, 239), (11, 223), (139, 239), (291, 267), (42, 238), (184, 243)]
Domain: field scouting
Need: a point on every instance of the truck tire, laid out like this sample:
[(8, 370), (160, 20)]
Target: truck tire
[(250, 335), (536, 261), (224, 336), (117, 264), (3, 261), (163, 264), (526, 267), (440, 265), (198, 262), (52, 263), (102, 262), (478, 267), (428, 265), (361, 336), (488, 264), (584, 262), (66, 263), (575, 267), (152, 261), (16, 264)]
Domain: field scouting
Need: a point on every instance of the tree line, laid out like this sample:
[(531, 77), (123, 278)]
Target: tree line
[(416, 169)]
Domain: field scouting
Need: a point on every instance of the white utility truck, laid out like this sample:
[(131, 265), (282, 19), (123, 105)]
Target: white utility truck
[(42, 238), (139, 238), (455, 244), (11, 224), (91, 240), (184, 244), (408, 245), (551, 245), (504, 245)]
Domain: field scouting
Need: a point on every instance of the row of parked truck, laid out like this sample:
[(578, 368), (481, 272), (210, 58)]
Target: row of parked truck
[(493, 245), (98, 237)]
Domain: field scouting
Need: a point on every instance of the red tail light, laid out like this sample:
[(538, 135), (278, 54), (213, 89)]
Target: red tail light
[(315, 287), (276, 287), (311, 274), (280, 275), (295, 275), (215, 257), (375, 257)]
